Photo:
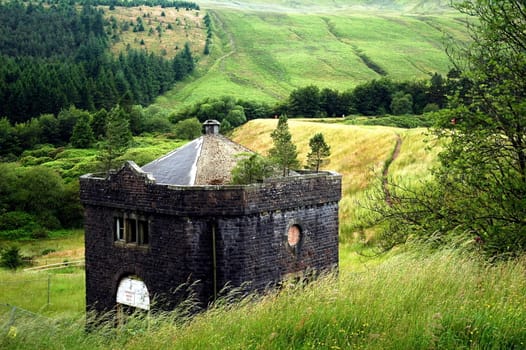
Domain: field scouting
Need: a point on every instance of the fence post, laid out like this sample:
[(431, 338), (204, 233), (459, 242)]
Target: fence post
[(48, 289)]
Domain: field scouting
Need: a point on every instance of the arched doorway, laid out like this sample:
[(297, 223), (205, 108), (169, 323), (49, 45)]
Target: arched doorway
[(132, 292)]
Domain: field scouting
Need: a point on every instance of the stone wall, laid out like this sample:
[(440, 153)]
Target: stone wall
[(248, 224)]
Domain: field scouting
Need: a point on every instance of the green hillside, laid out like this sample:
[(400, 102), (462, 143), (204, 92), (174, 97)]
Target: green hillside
[(413, 299), (265, 49)]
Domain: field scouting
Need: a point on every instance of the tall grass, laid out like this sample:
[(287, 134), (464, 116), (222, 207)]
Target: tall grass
[(50, 294), (410, 301), (358, 153)]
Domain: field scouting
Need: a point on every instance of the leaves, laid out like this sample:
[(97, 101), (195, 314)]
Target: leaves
[(479, 187)]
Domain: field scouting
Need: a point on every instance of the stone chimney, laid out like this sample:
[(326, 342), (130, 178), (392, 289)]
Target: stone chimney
[(211, 127)]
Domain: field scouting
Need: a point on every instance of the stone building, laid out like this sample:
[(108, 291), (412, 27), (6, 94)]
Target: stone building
[(176, 221)]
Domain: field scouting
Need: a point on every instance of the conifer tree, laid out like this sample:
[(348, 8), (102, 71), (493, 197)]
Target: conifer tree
[(118, 138), (319, 151), (284, 152), (82, 136)]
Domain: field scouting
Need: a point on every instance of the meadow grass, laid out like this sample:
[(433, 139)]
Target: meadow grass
[(440, 300), (358, 153), (53, 292), (50, 294), (410, 298)]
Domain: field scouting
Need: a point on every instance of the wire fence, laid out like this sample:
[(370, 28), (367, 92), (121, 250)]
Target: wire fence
[(45, 293), (11, 316)]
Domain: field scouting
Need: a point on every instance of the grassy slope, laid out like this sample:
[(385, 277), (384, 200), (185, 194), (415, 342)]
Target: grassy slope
[(429, 301), (407, 301), (187, 26), (357, 152), (263, 50)]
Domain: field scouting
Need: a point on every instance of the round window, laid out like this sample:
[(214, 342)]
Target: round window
[(294, 235)]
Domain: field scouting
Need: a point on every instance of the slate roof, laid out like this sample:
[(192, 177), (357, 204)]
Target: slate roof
[(207, 160)]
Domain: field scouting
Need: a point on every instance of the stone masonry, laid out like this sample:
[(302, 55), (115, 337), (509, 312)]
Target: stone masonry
[(205, 236)]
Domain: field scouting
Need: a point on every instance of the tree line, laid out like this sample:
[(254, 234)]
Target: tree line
[(131, 3), (55, 57), (36, 198), (373, 98), (81, 129), (377, 97)]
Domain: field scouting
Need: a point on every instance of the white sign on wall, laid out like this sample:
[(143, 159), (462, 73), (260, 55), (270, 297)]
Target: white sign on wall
[(134, 293)]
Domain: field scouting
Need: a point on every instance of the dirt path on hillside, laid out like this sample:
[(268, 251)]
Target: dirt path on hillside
[(385, 181), (220, 61)]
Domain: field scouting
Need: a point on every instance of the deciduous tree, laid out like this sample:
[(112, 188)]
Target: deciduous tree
[(480, 185)]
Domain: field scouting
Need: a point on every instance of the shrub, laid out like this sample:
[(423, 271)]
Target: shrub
[(11, 258), (16, 219), (251, 168), (431, 107), (157, 124), (17, 234), (188, 129)]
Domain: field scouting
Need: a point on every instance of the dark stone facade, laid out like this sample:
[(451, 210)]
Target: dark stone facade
[(206, 236)]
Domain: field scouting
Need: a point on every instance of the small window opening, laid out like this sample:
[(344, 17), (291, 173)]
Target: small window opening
[(119, 228), (144, 232), (131, 226), (131, 229)]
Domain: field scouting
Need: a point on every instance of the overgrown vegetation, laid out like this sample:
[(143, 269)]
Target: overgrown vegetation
[(251, 168), (41, 192), (443, 300), (472, 202), (478, 189)]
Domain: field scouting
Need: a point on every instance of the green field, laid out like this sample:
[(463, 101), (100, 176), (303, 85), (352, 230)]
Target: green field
[(264, 50), (408, 299)]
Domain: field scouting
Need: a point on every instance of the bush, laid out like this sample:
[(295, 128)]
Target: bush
[(251, 168), (188, 129), (31, 161), (431, 107), (157, 124), (11, 258), (17, 234), (405, 121), (15, 220)]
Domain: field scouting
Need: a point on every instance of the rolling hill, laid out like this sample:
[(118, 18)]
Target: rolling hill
[(359, 153), (263, 50)]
